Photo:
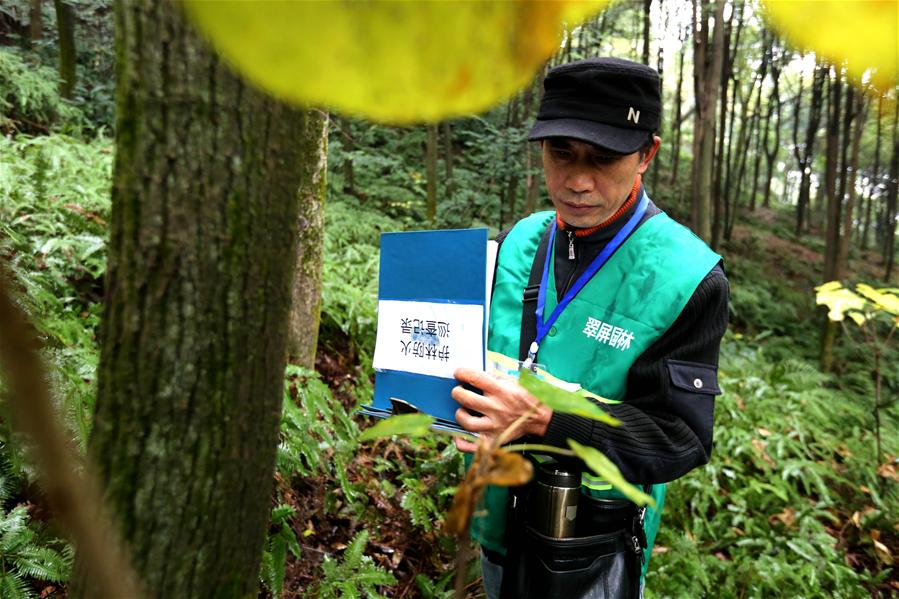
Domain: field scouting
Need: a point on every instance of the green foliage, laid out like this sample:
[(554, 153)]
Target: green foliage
[(410, 425), (54, 206), (274, 556), (350, 278), (353, 576), (29, 96), (560, 400), (317, 434), (26, 554), (791, 456)]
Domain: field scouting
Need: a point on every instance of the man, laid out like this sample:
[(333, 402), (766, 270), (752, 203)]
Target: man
[(629, 304)]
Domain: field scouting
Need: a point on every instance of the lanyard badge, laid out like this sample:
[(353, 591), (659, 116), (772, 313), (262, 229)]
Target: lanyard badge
[(543, 327)]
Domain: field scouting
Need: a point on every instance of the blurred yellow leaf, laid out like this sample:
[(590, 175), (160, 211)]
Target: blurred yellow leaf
[(395, 62), (839, 300), (864, 33), (883, 299)]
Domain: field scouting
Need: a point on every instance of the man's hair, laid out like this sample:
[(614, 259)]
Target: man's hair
[(647, 145)]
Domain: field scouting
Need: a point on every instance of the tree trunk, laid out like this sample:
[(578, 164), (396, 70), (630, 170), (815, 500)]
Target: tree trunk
[(889, 229), (678, 117), (532, 183), (832, 236), (448, 160), (707, 68), (875, 176), (859, 117), (805, 154), (760, 133), (35, 21), (647, 8), (431, 169), (305, 311), (65, 21), (194, 336), (660, 63), (773, 111)]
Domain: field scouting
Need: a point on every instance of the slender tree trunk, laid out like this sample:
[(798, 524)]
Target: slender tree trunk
[(805, 154), (773, 111), (194, 335), (832, 236), (660, 63), (889, 229), (36, 21), (65, 22), (431, 169), (721, 106), (305, 311), (875, 176), (761, 134), (859, 117), (678, 117), (448, 187), (707, 67), (532, 183), (647, 8)]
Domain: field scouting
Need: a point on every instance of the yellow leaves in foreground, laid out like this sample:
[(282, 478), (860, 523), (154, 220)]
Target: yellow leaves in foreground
[(394, 62), (859, 305), (864, 33)]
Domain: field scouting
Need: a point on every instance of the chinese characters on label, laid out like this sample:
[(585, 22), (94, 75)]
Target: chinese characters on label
[(424, 339), (608, 334)]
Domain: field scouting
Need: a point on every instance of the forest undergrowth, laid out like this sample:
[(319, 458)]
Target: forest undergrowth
[(793, 502)]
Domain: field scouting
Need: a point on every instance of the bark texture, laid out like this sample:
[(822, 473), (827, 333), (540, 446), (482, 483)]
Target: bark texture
[(201, 256), (65, 22), (305, 312)]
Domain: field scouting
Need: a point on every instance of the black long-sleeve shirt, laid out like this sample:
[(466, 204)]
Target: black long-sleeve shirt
[(666, 422)]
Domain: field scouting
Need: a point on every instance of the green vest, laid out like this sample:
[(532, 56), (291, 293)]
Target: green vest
[(623, 309)]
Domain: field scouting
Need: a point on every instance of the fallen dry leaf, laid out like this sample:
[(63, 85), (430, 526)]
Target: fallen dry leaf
[(761, 448), (888, 471), (787, 517), (883, 553), (763, 432)]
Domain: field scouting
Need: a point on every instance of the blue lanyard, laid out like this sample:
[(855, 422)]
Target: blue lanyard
[(543, 327)]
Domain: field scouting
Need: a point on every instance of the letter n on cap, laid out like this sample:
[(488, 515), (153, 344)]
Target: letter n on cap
[(633, 115)]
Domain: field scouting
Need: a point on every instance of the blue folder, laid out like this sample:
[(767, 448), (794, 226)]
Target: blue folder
[(447, 266)]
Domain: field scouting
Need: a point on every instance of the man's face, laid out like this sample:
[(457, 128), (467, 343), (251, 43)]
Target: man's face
[(586, 184)]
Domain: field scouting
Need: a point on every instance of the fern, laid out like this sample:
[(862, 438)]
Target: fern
[(317, 434), (354, 576), (24, 554), (29, 95), (274, 557)]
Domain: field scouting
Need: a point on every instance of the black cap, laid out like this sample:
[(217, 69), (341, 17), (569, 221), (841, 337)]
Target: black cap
[(609, 102)]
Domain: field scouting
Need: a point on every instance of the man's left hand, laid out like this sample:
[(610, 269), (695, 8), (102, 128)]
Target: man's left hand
[(502, 403)]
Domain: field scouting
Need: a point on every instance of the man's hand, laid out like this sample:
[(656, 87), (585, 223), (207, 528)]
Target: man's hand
[(502, 403)]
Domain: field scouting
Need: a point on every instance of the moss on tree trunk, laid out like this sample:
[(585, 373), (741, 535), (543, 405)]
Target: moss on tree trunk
[(201, 258), (306, 311)]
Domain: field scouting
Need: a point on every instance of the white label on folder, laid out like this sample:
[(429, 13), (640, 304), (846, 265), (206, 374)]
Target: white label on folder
[(429, 338)]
